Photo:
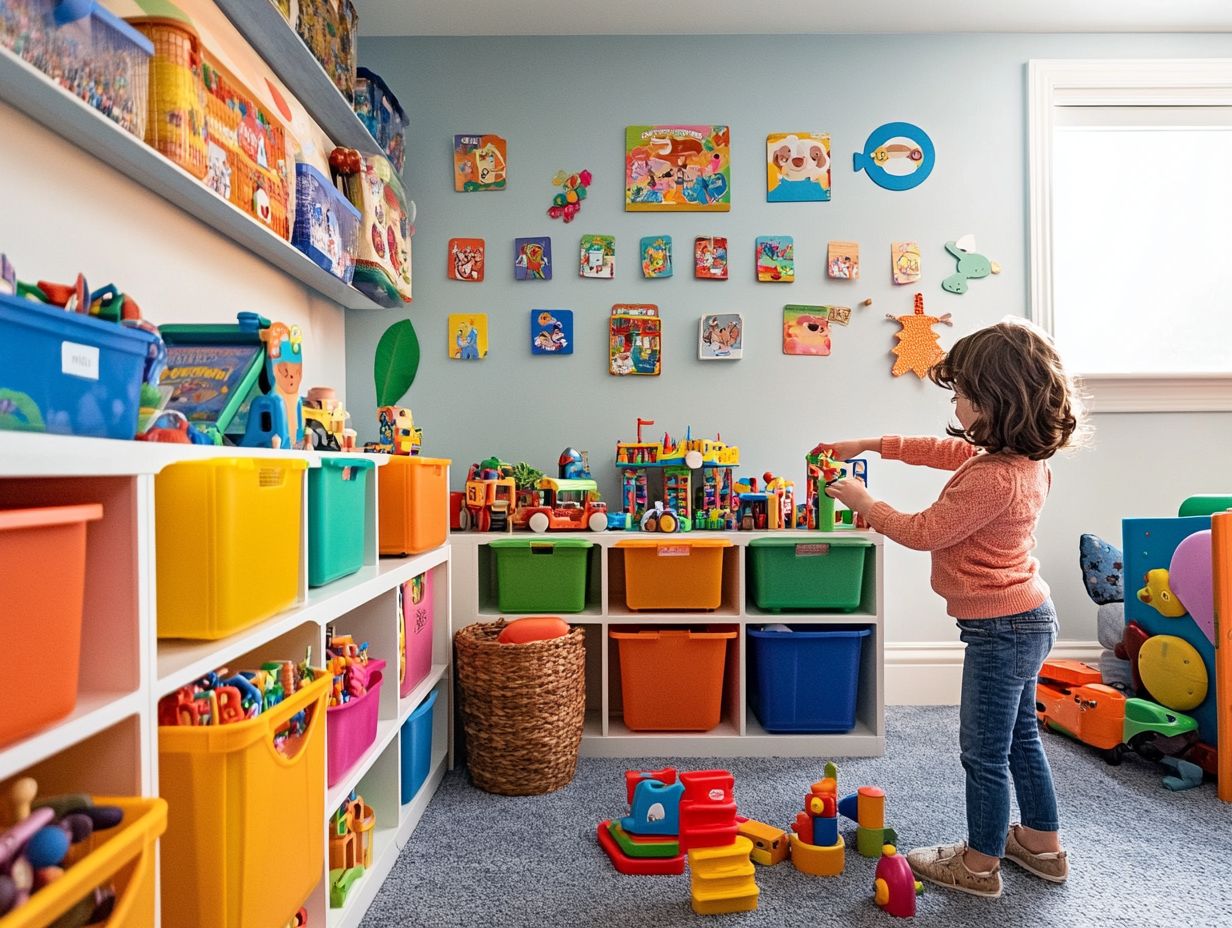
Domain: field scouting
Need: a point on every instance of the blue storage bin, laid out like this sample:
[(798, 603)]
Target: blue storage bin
[(806, 680), (379, 110), (68, 373), (326, 227), (417, 748)]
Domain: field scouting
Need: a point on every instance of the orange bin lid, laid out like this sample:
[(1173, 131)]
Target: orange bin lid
[(49, 515), (674, 542), (656, 634)]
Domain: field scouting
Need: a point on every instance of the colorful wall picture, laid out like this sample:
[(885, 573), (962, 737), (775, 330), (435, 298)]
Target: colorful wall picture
[(551, 331), (478, 163), (657, 256), (636, 338), (466, 259), (721, 337), (710, 258), (806, 330), (896, 156), (673, 168), (797, 167), (905, 262), (598, 256), (532, 258), (776, 259), (843, 261), (468, 336)]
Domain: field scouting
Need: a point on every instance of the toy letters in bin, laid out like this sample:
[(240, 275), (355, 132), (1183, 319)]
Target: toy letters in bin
[(326, 224), (806, 679)]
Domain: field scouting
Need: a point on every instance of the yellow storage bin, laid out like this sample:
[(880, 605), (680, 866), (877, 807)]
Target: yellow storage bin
[(243, 847), (671, 573), (122, 856), (228, 543), (413, 496)]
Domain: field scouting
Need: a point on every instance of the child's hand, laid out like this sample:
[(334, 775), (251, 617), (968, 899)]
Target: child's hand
[(852, 494), (845, 450)]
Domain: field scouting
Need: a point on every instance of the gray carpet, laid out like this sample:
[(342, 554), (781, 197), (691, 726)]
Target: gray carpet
[(1139, 854)]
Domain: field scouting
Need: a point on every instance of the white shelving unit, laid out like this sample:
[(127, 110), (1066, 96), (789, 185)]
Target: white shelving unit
[(109, 744), (739, 733)]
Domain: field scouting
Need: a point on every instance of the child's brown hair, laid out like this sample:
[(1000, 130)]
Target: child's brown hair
[(1012, 374)]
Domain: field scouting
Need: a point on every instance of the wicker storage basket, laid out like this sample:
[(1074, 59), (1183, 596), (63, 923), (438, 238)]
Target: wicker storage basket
[(523, 706)]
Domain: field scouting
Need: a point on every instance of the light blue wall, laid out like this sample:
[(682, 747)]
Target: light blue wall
[(564, 103)]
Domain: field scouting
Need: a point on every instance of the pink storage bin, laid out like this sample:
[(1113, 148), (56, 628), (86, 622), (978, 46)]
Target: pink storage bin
[(417, 610), (351, 727)]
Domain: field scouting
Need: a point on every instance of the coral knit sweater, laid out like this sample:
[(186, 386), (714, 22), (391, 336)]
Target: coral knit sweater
[(980, 530)]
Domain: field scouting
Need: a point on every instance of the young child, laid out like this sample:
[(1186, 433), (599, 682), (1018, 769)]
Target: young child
[(1016, 408)]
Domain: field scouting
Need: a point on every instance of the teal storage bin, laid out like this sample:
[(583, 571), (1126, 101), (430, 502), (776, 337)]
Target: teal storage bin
[(337, 511), (417, 748), (806, 680), (541, 575), (816, 573)]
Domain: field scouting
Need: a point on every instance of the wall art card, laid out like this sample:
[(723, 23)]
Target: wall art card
[(710, 258), (551, 331), (905, 262), (797, 167), (776, 259), (656, 256), (478, 163), (843, 261), (721, 337), (635, 342), (673, 168), (466, 259), (806, 330), (468, 336), (598, 256), (532, 258), (839, 315)]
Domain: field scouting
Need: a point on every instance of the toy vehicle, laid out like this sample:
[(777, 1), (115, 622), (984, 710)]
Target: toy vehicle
[(398, 434), (568, 506), (659, 519), (325, 421), (490, 498), (1070, 699)]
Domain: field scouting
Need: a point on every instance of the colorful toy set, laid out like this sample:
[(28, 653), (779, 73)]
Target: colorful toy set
[(374, 187), (379, 110), (352, 827)]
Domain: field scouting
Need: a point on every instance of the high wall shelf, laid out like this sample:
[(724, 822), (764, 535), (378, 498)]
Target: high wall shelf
[(109, 744), (738, 733)]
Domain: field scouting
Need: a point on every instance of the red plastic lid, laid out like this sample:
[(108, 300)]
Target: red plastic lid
[(49, 515)]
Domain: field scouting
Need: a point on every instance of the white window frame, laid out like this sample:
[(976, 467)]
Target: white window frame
[(1052, 83)]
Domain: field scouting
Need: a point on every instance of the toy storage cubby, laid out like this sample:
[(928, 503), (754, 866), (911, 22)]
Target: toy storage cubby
[(109, 743), (488, 589), (738, 733)]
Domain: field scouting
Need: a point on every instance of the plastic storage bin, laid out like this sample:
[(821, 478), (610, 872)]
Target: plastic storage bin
[(326, 224), (88, 50), (673, 573), (330, 28), (42, 587), (227, 543), (379, 110), (416, 748), (795, 573), (672, 679), (418, 606), (383, 261), (68, 373), (123, 857), (243, 847), (352, 727), (413, 494), (337, 515), (805, 680), (534, 575), (176, 124)]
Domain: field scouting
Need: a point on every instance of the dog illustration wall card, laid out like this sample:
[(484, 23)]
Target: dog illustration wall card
[(551, 331), (806, 330), (468, 336), (776, 259), (532, 258), (635, 340), (710, 258), (843, 261), (656, 256), (721, 337), (797, 167), (478, 163), (673, 168), (466, 259), (905, 262), (598, 256)]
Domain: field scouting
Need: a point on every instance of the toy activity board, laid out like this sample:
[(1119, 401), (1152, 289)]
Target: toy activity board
[(843, 261), (721, 337), (806, 330), (532, 258), (635, 342), (710, 258), (678, 168), (797, 167), (598, 256), (551, 331), (656, 256), (478, 163), (896, 156), (468, 336), (776, 259), (466, 259), (905, 262)]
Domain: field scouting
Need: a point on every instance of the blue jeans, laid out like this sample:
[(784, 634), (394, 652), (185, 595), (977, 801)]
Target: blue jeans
[(997, 730)]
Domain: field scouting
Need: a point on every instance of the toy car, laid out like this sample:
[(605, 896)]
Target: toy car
[(490, 499), (569, 506), (660, 519)]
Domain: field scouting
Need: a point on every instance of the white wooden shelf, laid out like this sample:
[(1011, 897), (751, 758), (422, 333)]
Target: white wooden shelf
[(94, 712), (412, 700), (386, 732), (43, 100)]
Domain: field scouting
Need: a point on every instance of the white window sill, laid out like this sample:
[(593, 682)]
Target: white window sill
[(1113, 393)]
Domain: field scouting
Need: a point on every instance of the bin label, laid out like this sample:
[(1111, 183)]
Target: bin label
[(79, 360), (816, 549), (674, 551)]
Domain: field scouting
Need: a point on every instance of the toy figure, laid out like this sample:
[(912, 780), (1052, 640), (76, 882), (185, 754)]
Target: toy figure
[(284, 365)]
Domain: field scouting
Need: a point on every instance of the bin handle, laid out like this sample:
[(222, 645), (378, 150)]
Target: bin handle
[(542, 548), (314, 722)]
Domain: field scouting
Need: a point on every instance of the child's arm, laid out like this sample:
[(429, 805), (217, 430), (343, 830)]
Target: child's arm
[(942, 453)]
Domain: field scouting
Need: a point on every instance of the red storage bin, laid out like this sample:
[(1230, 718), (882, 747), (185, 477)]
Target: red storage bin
[(351, 727)]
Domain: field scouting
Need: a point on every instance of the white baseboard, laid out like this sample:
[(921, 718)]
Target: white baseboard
[(929, 673)]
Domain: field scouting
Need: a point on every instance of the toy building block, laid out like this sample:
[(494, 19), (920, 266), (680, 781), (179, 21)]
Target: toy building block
[(866, 808), (1072, 672), (895, 886), (341, 882), (655, 809), (721, 879), (1186, 775), (707, 809), (637, 866), (769, 843), (666, 776), (637, 846), (818, 861)]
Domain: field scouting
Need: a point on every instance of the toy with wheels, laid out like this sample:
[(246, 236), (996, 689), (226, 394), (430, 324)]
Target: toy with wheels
[(660, 519), (568, 506), (490, 499)]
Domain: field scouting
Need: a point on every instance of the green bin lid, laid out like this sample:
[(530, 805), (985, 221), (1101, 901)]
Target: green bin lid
[(791, 542), (540, 542)]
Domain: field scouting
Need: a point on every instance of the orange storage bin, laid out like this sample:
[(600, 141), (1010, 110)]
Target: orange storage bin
[(243, 846), (413, 494), (42, 589), (671, 573), (122, 856), (672, 679)]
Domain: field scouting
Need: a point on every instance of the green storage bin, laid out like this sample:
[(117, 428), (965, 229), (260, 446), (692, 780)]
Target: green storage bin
[(337, 511), (537, 575), (818, 573)]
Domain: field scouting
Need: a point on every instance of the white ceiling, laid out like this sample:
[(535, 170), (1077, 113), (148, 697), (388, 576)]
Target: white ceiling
[(737, 17)]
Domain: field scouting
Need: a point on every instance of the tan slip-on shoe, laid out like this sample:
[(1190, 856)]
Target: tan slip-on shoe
[(1053, 866), (943, 866)]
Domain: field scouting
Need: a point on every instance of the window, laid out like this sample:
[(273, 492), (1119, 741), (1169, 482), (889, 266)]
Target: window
[(1131, 227)]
